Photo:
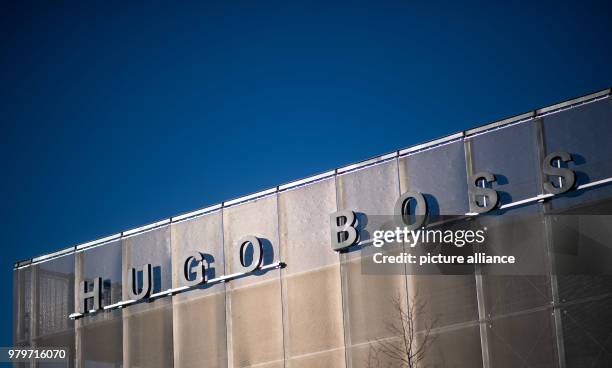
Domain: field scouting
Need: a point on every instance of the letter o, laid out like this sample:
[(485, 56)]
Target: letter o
[(257, 253), (420, 212)]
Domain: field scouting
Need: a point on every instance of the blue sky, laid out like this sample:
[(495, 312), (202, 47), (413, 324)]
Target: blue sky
[(115, 115)]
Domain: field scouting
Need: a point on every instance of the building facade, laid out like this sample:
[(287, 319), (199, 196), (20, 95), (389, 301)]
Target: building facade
[(308, 305)]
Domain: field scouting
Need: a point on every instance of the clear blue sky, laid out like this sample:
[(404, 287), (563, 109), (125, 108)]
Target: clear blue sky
[(117, 115)]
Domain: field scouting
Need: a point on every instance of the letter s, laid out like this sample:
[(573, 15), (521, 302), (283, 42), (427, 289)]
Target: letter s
[(490, 196), (567, 177)]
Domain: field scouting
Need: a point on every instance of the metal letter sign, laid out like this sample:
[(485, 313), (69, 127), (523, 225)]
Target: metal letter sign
[(489, 196), (567, 178), (481, 199), (193, 274), (199, 269), (402, 210), (256, 258), (343, 230), (135, 293), (95, 294)]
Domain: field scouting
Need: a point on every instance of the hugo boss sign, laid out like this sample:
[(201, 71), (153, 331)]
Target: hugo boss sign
[(192, 273), (343, 234), (482, 199)]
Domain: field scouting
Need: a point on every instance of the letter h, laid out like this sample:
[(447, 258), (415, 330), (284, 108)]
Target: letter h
[(95, 294)]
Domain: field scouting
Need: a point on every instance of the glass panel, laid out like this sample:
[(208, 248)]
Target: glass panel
[(586, 333), (304, 227), (311, 282), (199, 315), (585, 133), (509, 288), (444, 299), (22, 304), (439, 174), (365, 355), (102, 334), (583, 243), (368, 299), (147, 327), (509, 294), (255, 329), (54, 291), (577, 287), (519, 232), (525, 340), (331, 359), (447, 348), (517, 178), (582, 251), (369, 192), (445, 293), (455, 348)]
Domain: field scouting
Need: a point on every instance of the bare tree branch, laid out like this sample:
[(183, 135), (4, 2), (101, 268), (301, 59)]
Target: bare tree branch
[(413, 342)]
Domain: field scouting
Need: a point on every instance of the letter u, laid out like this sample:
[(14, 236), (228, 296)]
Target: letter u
[(133, 292)]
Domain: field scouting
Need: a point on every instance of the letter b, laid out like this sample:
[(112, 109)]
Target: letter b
[(343, 232)]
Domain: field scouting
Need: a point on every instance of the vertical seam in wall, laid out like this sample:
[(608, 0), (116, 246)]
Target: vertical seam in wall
[(282, 283), (482, 314), (228, 302), (19, 294), (124, 318), (34, 309), (17, 297), (554, 287), (173, 259), (78, 277), (225, 294), (399, 193), (343, 293)]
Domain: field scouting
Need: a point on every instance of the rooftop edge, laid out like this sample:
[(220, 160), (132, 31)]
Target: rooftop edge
[(526, 116)]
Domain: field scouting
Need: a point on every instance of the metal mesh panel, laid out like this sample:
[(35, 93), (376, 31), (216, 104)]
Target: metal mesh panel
[(524, 340), (445, 299), (369, 192), (53, 302), (147, 337), (454, 348), (439, 174), (255, 330), (101, 335), (527, 283), (22, 304), (518, 177), (199, 315), (583, 132), (55, 285), (369, 299), (312, 295), (587, 333)]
